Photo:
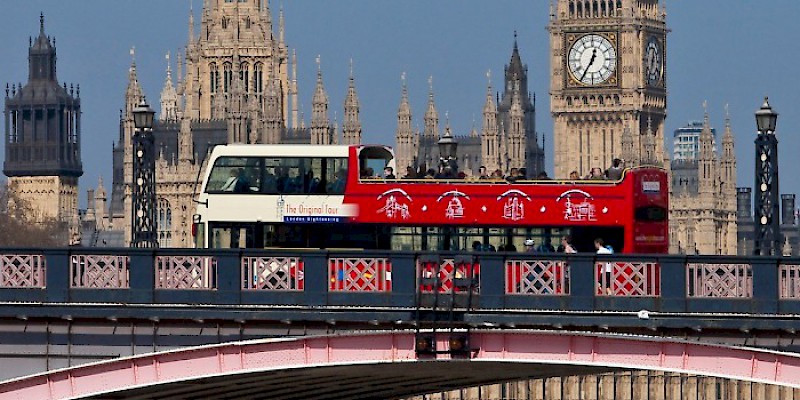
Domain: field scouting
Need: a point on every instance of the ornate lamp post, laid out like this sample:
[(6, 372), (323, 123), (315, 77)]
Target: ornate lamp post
[(144, 178), (447, 152), (767, 228)]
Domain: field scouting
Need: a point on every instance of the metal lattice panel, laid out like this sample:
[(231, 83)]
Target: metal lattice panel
[(719, 280), (272, 273), (186, 272), (537, 277), (790, 281), (22, 271), (449, 273), (628, 279), (99, 272), (360, 274)]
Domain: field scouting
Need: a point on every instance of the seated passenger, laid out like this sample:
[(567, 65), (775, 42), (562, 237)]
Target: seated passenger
[(388, 173), (230, 184), (270, 183), (242, 183), (337, 186)]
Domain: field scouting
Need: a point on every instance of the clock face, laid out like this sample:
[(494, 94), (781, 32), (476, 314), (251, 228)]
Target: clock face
[(592, 59), (654, 62)]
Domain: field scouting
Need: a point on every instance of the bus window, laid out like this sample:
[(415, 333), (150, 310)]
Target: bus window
[(234, 175), (232, 236), (335, 175), (651, 214), (372, 160)]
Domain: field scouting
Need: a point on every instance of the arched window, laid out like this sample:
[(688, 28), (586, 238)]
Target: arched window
[(164, 221), (258, 78), (244, 76), (227, 78), (213, 77)]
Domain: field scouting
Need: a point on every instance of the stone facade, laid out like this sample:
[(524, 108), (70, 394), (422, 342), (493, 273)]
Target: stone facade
[(508, 137), (42, 133), (608, 87), (637, 385), (703, 197), (237, 83)]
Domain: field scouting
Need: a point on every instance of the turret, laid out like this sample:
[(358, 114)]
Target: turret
[(490, 145), (320, 122), (404, 135), (352, 123)]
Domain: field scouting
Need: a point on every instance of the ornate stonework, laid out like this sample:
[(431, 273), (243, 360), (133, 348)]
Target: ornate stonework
[(43, 127), (608, 80), (233, 86)]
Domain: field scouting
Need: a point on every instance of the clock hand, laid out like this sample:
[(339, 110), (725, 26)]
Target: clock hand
[(591, 61)]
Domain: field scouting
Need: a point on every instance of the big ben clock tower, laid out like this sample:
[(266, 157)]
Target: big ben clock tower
[(608, 91)]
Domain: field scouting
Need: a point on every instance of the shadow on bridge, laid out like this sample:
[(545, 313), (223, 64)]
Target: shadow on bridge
[(387, 365)]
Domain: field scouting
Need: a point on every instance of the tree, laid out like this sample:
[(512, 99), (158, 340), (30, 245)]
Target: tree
[(20, 227)]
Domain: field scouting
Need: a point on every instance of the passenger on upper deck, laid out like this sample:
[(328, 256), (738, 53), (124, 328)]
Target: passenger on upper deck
[(410, 173), (615, 171), (482, 173), (388, 173), (513, 176), (596, 174), (542, 175)]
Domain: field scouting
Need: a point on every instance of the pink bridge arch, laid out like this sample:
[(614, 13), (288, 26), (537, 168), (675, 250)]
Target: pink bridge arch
[(385, 365)]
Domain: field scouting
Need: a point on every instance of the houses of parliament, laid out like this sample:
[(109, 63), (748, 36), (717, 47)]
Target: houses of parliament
[(236, 82)]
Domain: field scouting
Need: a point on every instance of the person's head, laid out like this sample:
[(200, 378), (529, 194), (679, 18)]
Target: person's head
[(514, 172), (598, 243), (523, 172), (617, 163), (565, 240), (498, 173), (388, 171), (482, 170), (476, 245), (573, 175), (529, 243), (597, 172)]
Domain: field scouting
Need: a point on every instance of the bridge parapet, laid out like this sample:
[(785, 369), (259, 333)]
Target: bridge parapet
[(510, 281)]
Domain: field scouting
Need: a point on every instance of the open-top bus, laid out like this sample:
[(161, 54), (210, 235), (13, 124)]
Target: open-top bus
[(313, 196)]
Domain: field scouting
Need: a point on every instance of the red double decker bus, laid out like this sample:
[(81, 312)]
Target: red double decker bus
[(309, 196)]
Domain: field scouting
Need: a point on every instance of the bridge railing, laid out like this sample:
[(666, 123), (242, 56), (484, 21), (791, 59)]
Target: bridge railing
[(579, 282)]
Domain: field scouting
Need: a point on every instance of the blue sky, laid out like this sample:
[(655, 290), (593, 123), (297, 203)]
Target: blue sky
[(723, 51)]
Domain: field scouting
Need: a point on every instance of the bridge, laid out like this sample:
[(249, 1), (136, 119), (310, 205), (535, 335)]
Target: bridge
[(71, 308)]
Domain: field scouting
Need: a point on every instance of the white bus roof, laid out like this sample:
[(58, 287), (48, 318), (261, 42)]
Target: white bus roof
[(279, 150)]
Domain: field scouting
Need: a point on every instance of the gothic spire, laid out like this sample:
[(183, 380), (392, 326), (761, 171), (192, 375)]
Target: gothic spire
[(320, 122), (431, 115), (169, 96), (352, 123), (133, 93)]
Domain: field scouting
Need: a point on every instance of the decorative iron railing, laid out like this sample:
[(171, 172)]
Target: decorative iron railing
[(537, 277), (360, 275), (624, 278), (790, 281), (719, 280), (272, 273), (448, 275), (22, 271), (186, 272), (99, 272)]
